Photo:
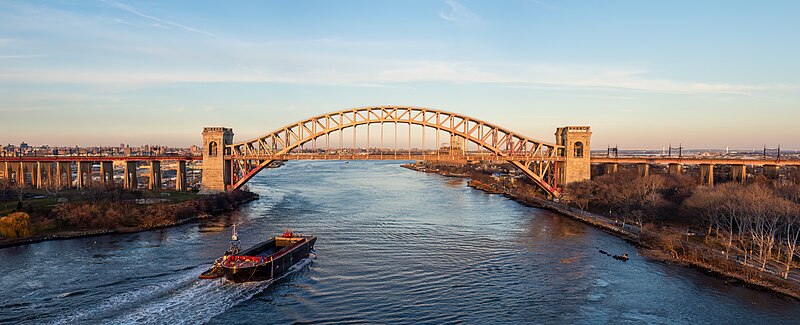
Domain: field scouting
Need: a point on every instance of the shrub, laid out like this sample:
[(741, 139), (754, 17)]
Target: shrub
[(15, 225)]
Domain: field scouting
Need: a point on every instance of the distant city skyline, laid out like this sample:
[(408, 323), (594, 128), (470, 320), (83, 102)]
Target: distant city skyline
[(710, 74)]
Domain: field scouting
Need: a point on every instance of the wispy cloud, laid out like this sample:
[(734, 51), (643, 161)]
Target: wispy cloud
[(367, 72), (21, 56), (332, 60), (459, 14), (153, 18), (125, 22)]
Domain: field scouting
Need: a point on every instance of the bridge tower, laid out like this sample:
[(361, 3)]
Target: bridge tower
[(216, 170), (577, 161)]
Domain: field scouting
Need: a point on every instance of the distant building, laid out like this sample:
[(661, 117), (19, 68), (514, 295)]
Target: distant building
[(455, 147)]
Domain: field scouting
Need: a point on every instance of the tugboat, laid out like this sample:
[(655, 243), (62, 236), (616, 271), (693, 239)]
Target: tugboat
[(264, 261)]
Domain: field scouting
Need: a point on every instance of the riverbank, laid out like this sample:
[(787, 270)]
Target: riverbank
[(663, 244), (102, 217)]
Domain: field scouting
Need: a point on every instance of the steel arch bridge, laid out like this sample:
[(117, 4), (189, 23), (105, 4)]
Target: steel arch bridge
[(538, 160)]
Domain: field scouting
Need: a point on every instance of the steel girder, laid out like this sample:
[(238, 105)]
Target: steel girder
[(536, 159)]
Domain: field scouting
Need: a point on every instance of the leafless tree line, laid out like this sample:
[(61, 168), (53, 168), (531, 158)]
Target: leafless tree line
[(759, 222), (754, 220)]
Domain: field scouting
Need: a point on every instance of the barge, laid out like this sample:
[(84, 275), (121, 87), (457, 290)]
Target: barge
[(264, 261)]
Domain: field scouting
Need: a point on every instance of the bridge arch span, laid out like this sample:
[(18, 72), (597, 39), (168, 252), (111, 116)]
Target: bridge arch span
[(537, 159)]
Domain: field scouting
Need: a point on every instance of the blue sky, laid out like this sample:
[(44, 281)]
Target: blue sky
[(643, 74)]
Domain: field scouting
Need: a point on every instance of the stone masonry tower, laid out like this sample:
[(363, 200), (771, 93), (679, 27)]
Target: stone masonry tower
[(577, 164), (216, 170)]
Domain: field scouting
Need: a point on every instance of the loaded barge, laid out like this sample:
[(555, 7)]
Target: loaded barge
[(264, 261)]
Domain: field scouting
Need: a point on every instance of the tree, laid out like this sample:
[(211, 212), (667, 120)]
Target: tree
[(20, 190), (791, 235), (641, 199), (705, 202), (51, 188), (579, 193), (15, 225)]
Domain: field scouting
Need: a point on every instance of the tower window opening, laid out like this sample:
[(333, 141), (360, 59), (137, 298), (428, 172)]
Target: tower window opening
[(578, 149), (212, 148)]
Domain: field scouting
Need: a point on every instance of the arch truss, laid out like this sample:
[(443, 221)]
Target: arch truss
[(538, 160)]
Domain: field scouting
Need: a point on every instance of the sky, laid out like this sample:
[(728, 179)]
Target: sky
[(642, 74)]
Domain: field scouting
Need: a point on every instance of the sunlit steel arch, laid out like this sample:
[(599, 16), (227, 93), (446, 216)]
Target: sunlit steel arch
[(249, 157)]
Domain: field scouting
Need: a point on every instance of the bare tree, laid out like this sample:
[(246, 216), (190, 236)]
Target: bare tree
[(579, 193), (791, 235), (51, 188), (20, 190)]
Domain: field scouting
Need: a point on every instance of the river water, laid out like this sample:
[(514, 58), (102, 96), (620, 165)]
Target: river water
[(395, 246)]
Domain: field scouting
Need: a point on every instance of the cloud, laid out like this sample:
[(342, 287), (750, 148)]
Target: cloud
[(459, 14), (160, 22), (331, 60), (366, 72), (21, 56), (125, 22)]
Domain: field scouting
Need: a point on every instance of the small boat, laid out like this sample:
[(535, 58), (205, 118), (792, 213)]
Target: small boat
[(623, 257), (264, 261)]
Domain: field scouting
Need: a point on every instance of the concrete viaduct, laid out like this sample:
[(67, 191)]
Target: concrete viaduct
[(675, 166), (41, 172)]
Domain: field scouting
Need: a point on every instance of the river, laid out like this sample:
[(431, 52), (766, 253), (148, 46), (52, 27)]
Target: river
[(394, 246)]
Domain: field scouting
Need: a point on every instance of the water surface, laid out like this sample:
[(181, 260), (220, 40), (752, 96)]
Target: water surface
[(395, 246)]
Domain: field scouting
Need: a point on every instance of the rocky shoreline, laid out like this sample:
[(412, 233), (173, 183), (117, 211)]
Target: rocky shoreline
[(201, 211), (633, 235)]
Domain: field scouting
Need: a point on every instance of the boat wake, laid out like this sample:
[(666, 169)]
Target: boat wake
[(182, 299)]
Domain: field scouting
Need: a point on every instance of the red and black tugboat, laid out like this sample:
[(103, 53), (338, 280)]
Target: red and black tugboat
[(264, 261)]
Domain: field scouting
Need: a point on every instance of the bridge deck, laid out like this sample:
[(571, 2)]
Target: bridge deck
[(97, 158), (695, 161), (387, 156)]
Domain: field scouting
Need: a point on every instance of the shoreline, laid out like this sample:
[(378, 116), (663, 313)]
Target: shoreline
[(73, 234), (646, 250)]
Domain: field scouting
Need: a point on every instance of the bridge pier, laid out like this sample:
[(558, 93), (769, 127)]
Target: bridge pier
[(771, 171), (674, 168), (31, 168), (611, 168), (48, 169), (180, 176), (21, 174), (644, 169), (217, 170), (61, 169), (5, 170), (707, 174), (577, 164), (155, 175), (739, 173), (39, 172), (107, 174), (130, 178), (84, 167)]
